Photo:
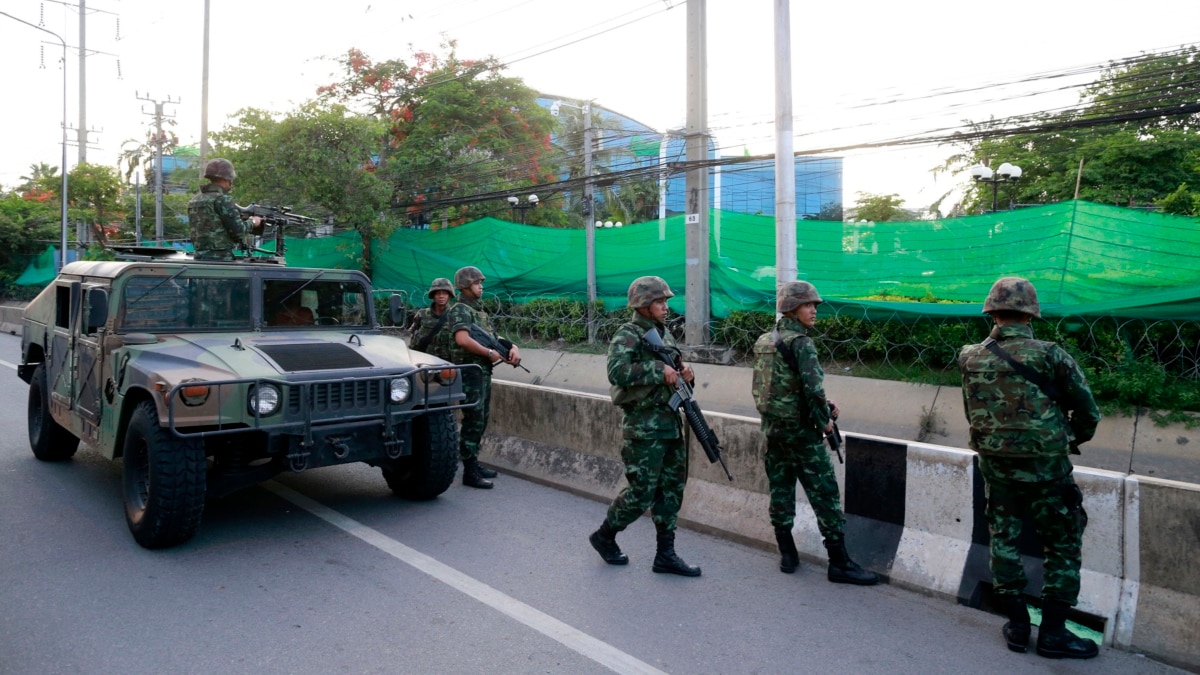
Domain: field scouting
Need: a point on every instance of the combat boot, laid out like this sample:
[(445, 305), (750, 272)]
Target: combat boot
[(1016, 630), (472, 477), (843, 570), (666, 561), (789, 557), (486, 472), (604, 540), (1056, 642)]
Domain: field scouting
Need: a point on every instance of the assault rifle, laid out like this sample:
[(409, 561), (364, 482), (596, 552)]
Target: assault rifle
[(683, 400), (834, 437), (500, 345), (281, 217)]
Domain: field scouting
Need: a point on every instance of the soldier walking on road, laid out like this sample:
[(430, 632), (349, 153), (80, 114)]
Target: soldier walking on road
[(1029, 407), (789, 393), (430, 327), (654, 452), (477, 382), (217, 226)]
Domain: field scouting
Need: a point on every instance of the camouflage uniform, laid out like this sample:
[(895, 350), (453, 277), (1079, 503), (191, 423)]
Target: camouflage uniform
[(477, 383), (794, 414), (216, 224), (1023, 438), (423, 322), (654, 453)]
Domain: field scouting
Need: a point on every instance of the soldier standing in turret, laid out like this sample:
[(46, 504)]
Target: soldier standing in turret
[(216, 224), (654, 452), (789, 393), (477, 383), (1029, 407)]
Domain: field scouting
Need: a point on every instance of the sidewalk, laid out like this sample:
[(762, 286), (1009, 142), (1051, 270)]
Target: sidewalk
[(920, 412)]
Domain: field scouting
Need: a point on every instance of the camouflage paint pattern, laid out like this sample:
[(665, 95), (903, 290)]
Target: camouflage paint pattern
[(645, 290), (1023, 438), (794, 412), (1015, 295), (216, 224), (423, 323), (1012, 417), (795, 293), (462, 314), (653, 449)]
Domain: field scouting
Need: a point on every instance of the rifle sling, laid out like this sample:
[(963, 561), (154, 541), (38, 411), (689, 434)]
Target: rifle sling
[(424, 342), (1025, 371)]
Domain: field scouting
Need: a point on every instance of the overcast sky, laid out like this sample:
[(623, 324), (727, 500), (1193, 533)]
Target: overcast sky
[(866, 68)]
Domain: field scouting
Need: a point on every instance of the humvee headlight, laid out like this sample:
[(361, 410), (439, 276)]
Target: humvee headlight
[(264, 400), (401, 388)]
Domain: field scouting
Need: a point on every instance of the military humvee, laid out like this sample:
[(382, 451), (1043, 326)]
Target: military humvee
[(206, 377)]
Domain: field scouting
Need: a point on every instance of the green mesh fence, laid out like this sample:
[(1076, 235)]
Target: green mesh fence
[(1085, 259)]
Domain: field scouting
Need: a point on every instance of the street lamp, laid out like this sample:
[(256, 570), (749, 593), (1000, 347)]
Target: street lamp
[(63, 223), (1007, 173), (588, 226), (530, 202)]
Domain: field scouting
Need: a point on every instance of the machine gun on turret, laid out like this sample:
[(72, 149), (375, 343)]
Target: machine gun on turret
[(280, 217)]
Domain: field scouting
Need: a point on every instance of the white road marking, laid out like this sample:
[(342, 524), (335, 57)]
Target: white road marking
[(6, 363), (594, 649)]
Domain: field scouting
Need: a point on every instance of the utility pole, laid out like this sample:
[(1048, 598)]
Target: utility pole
[(696, 181), (158, 143), (589, 220), (785, 164), (83, 130), (204, 98)]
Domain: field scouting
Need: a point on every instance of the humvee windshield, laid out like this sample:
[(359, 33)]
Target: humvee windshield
[(186, 303)]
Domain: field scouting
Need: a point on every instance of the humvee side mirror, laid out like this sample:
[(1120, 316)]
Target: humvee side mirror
[(97, 315), (397, 310)]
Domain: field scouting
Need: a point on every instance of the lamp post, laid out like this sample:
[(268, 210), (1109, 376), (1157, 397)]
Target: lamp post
[(1007, 173), (530, 202), (63, 223), (589, 227)]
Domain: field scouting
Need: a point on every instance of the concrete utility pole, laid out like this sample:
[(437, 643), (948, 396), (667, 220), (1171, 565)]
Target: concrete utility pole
[(589, 219), (696, 181), (785, 164), (83, 54), (158, 180), (204, 98)]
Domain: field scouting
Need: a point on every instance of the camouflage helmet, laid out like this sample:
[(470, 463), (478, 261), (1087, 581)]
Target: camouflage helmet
[(466, 276), (220, 168), (645, 290), (1013, 294), (440, 284), (795, 293)]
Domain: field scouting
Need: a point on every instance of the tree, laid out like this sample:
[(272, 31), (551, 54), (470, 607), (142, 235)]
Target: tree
[(1181, 202), (450, 130), (1135, 132), (879, 208), (316, 160), (831, 211), (93, 197)]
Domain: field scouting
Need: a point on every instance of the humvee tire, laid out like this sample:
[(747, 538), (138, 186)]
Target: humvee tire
[(430, 470), (49, 440), (164, 481)]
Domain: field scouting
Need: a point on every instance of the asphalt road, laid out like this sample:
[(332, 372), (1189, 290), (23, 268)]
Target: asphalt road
[(327, 572)]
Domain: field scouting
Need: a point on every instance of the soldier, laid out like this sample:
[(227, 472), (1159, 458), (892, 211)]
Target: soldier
[(217, 226), (789, 393), (430, 334), (1029, 407), (655, 456), (477, 383)]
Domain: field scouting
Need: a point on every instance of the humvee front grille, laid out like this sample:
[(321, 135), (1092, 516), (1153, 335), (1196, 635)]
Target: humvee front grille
[(343, 397)]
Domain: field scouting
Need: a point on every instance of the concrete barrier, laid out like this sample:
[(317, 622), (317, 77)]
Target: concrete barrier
[(914, 512)]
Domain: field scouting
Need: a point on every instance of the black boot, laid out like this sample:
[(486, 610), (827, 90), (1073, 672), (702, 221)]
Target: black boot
[(1016, 630), (843, 570), (486, 472), (1055, 641), (789, 557), (604, 540), (665, 561), (472, 477)]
